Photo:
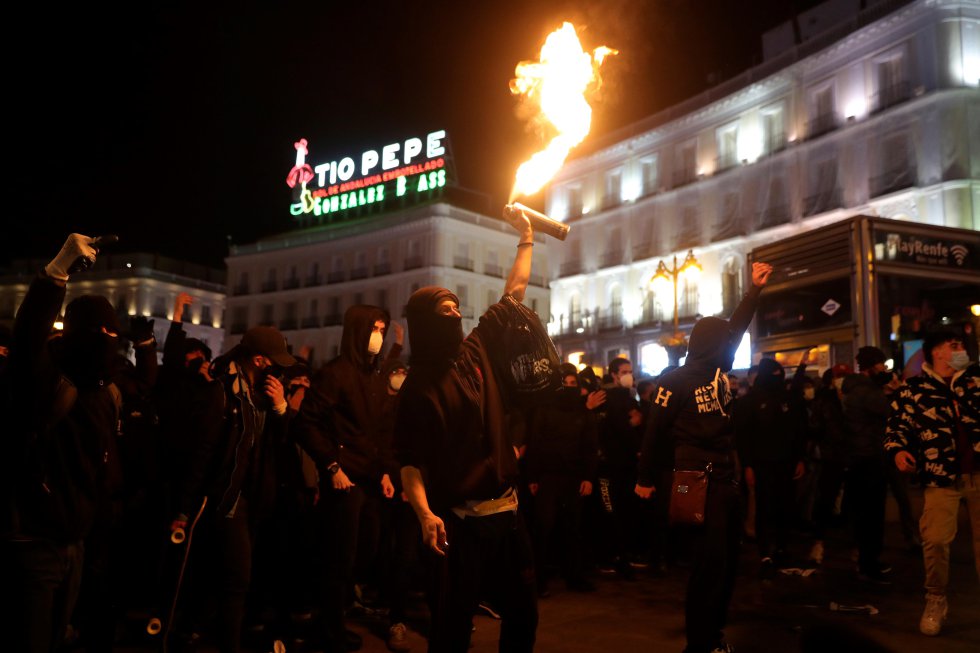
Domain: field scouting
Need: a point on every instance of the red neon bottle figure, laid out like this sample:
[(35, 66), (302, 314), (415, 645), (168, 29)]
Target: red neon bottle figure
[(301, 173)]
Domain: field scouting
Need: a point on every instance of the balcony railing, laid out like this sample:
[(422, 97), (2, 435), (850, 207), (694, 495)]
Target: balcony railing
[(287, 324), (568, 268), (413, 262), (359, 273), (269, 286), (382, 269), (611, 200), (893, 181), (463, 263), (538, 280), (725, 161), (644, 250), (493, 270), (820, 202), (238, 328), (611, 258), (774, 216), (821, 125), (684, 177), (337, 276), (313, 280), (611, 319), (333, 319), (291, 283), (775, 143), (240, 289), (889, 96), (311, 322)]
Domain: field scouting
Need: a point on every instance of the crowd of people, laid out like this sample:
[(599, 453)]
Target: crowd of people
[(251, 493)]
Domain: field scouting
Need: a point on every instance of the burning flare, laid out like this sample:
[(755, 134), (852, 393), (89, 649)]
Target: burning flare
[(558, 85)]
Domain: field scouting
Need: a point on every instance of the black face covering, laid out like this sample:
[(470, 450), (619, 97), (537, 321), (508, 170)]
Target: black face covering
[(87, 356), (882, 378), (569, 398), (435, 338)]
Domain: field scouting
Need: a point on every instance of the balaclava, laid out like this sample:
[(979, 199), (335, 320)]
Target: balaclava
[(434, 338)]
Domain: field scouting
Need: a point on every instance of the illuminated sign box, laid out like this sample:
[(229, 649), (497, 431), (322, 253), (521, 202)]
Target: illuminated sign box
[(407, 169)]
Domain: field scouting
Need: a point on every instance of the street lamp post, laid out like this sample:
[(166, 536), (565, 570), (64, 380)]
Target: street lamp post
[(689, 269)]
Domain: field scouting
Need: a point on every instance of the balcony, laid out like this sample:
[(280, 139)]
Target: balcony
[(821, 125), (240, 289), (413, 262), (611, 200), (725, 162), (463, 263), (381, 269), (238, 328), (493, 270), (889, 96), (775, 143), (313, 280), (333, 319), (568, 268), (291, 283), (821, 202), (337, 276), (287, 324), (773, 216), (612, 319), (644, 250), (359, 273), (684, 177), (269, 286), (538, 280), (311, 322), (893, 181), (611, 258)]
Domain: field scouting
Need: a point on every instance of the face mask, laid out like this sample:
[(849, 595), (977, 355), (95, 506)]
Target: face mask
[(809, 393), (395, 381), (626, 380), (882, 378), (374, 344), (839, 382), (959, 360)]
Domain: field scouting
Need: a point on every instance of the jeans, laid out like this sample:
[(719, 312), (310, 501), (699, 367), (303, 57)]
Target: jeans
[(938, 528), (41, 581)]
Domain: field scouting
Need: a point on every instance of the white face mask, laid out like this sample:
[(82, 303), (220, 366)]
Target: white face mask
[(626, 380), (374, 344), (809, 393), (839, 382), (959, 360), (395, 381)]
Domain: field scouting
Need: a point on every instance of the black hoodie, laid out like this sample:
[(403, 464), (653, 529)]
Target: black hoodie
[(692, 405), (341, 417)]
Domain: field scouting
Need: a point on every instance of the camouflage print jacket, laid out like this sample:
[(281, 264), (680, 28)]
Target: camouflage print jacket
[(923, 421)]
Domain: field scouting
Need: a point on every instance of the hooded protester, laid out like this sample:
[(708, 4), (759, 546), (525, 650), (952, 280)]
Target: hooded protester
[(56, 458), (770, 427), (340, 426), (692, 407), (459, 467), (234, 466)]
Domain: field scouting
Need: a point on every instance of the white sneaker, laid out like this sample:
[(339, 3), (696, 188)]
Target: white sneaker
[(934, 615)]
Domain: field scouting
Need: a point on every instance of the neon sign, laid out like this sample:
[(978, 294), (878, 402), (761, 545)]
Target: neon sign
[(400, 169)]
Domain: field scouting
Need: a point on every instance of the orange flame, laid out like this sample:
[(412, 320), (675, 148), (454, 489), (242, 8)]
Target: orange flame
[(558, 84)]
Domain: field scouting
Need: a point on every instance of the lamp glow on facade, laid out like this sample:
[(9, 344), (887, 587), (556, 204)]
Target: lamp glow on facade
[(975, 309), (855, 108)]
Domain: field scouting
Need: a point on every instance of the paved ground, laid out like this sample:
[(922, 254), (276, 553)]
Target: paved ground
[(646, 615)]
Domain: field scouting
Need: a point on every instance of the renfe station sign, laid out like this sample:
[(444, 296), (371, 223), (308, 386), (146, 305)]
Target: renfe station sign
[(412, 166)]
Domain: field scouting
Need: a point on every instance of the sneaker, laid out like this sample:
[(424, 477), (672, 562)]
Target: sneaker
[(934, 615), (816, 552), (398, 638), (767, 569)]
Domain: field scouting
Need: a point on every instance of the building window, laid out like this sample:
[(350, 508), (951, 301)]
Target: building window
[(614, 248), (314, 278), (239, 319), (896, 165), (648, 175), (575, 313), (574, 200), (360, 270), (382, 294), (687, 298), (823, 116), (773, 129), (462, 260), (491, 297), (333, 316), (731, 285), (289, 321), (463, 293), (726, 139), (824, 193), (159, 306), (891, 81), (242, 287), (613, 189), (206, 318), (268, 315), (685, 163), (413, 258), (270, 284)]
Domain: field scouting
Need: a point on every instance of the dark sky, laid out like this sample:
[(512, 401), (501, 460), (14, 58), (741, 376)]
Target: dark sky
[(173, 126)]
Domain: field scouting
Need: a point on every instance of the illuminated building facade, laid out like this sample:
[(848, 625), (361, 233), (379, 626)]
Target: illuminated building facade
[(876, 112), (303, 281), (136, 284)]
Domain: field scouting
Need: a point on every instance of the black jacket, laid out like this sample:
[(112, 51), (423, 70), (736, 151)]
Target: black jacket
[(693, 404), (58, 436), (770, 424), (341, 419), (562, 440), (866, 408)]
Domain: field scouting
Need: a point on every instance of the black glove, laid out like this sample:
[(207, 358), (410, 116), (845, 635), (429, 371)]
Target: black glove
[(140, 329)]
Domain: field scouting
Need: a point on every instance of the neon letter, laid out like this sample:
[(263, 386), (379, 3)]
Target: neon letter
[(368, 160), (346, 168), (413, 146), (321, 171), (422, 185), (400, 186), (389, 160), (433, 146)]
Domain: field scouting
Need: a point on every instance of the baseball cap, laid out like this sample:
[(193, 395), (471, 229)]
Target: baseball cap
[(269, 342)]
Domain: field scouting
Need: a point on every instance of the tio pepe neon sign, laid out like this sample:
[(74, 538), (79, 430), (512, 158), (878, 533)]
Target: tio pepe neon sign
[(347, 183)]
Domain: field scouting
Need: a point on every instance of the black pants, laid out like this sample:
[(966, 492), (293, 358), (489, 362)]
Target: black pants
[(830, 479), (40, 582), (229, 547), (558, 502), (349, 528), (619, 509), (865, 489), (773, 505), (715, 549), (398, 557), (487, 558)]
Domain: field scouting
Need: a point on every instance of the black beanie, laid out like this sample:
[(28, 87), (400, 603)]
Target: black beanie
[(868, 357), (90, 313)]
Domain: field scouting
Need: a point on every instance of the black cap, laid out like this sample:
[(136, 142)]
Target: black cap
[(91, 313), (868, 357), (269, 342)]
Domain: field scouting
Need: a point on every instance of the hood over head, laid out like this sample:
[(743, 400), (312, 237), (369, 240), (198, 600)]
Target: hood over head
[(712, 344), (771, 374), (434, 338), (358, 324)]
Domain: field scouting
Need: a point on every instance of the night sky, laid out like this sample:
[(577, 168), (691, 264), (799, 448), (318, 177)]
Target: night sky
[(174, 126)]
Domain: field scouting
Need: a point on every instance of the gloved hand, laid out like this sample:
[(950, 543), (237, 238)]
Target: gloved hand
[(140, 329), (76, 246)]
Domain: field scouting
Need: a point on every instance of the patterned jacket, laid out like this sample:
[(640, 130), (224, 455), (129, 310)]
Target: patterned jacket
[(923, 421)]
